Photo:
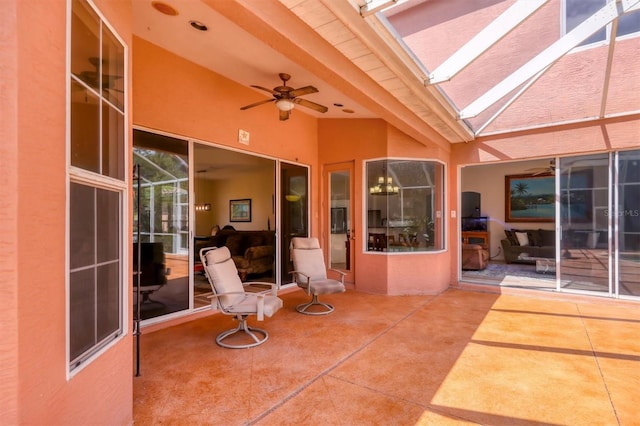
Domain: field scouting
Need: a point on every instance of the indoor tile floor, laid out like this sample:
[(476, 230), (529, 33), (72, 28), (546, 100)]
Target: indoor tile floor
[(462, 357)]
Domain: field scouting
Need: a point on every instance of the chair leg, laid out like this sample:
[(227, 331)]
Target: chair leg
[(302, 308), (250, 331)]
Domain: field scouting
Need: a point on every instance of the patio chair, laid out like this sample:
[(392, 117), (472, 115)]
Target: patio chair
[(230, 297), (310, 274)]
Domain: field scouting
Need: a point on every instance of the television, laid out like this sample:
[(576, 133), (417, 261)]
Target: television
[(470, 204)]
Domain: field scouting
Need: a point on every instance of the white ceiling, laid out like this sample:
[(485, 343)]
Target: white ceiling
[(255, 63)]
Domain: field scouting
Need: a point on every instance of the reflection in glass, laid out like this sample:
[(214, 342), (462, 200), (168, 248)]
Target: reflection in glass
[(408, 218), (628, 215), (584, 202), (162, 222), (112, 69), (85, 128), (85, 43), (112, 142), (294, 207), (339, 254)]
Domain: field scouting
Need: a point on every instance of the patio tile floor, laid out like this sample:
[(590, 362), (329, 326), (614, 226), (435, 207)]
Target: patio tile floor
[(461, 357)]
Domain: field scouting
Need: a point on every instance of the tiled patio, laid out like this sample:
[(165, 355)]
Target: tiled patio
[(462, 357)]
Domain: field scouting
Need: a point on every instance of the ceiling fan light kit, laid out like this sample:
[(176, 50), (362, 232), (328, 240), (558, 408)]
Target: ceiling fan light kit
[(286, 98), (284, 104)]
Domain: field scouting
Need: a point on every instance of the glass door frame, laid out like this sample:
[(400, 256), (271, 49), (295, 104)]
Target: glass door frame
[(611, 213), (349, 167)]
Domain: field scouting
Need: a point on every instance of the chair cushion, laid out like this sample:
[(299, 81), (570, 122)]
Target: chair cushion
[(326, 287), (224, 275), (305, 243), (250, 305), (310, 262)]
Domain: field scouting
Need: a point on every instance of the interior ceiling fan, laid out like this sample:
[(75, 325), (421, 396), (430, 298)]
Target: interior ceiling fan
[(91, 77), (550, 169), (286, 97)]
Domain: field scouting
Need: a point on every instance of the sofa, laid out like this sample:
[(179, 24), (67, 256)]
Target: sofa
[(523, 244), (251, 251), (474, 257)]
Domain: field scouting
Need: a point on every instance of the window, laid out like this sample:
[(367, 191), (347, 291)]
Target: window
[(577, 11), (97, 185), (404, 205)]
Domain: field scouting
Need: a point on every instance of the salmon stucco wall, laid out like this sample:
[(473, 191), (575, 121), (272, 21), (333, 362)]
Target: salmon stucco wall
[(179, 97), (38, 389), (360, 140), (572, 139)]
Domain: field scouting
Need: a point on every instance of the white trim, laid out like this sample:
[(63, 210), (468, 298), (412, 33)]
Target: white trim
[(509, 20), (365, 195), (98, 181), (546, 58), (560, 123)]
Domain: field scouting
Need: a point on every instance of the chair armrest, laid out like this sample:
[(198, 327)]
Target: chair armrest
[(259, 296), (274, 287), (307, 286), (341, 273)]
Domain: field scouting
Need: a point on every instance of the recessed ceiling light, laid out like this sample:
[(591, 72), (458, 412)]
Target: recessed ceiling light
[(164, 8), (348, 111), (198, 25)]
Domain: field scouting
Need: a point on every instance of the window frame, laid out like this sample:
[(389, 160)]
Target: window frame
[(607, 29), (439, 214), (98, 181)]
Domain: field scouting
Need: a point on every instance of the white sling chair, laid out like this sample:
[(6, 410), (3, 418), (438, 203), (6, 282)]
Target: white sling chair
[(311, 275), (230, 298)]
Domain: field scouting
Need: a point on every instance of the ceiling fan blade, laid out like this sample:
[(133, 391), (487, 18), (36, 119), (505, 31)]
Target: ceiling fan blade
[(536, 171), (312, 105), (303, 91), (273, 92), (284, 115), (256, 104)]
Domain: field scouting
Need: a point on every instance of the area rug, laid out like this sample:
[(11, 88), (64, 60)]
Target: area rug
[(500, 270), (511, 275)]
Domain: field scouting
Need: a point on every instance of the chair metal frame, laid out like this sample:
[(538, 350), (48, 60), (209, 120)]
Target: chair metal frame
[(302, 308), (307, 284), (258, 335)]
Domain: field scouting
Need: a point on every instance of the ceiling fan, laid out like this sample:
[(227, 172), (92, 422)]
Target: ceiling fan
[(286, 98), (92, 77), (550, 169)]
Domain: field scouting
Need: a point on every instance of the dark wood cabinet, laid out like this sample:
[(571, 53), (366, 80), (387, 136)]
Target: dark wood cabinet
[(476, 237)]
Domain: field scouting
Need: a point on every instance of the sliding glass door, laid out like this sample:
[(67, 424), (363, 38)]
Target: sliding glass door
[(627, 222), (600, 224), (161, 225), (585, 199), (294, 208)]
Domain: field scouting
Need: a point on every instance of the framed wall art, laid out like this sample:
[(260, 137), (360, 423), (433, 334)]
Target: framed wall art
[(240, 210), (530, 198)]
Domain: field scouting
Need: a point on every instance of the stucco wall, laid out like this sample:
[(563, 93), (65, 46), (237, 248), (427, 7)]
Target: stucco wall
[(37, 390), (571, 89), (360, 140)]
